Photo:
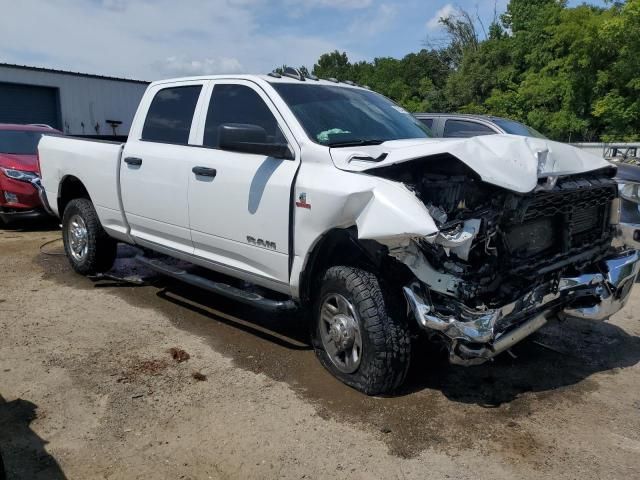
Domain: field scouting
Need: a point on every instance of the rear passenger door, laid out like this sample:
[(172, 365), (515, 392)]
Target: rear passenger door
[(239, 214), (155, 171)]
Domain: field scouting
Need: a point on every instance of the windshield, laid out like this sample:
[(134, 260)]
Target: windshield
[(339, 116), (19, 142), (517, 128)]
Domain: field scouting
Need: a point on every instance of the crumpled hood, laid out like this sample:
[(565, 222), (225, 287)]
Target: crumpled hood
[(28, 163), (509, 161)]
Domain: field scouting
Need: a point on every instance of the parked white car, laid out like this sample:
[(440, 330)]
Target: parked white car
[(334, 200)]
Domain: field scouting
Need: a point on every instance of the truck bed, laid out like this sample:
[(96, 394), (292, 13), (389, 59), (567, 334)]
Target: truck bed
[(96, 164)]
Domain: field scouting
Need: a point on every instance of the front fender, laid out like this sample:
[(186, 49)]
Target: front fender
[(380, 209)]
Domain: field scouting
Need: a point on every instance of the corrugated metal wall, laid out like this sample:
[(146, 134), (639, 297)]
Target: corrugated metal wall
[(85, 102), (29, 104)]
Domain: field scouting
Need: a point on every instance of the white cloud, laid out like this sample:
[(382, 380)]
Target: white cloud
[(298, 8), (150, 39), (338, 4), (445, 12), (181, 66), (375, 22), (117, 5)]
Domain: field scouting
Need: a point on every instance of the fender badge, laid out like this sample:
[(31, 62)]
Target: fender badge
[(302, 201)]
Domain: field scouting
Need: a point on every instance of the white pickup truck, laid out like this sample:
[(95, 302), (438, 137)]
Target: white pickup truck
[(330, 198)]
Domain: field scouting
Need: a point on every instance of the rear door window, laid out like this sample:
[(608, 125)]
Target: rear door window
[(428, 122), (465, 129), (170, 115), (238, 104)]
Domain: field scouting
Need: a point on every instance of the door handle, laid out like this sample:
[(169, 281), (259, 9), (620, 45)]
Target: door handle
[(134, 161), (204, 171)]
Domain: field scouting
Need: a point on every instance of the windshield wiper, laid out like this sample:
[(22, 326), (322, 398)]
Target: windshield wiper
[(358, 142)]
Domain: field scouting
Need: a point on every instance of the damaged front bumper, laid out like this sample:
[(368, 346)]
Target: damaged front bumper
[(475, 336)]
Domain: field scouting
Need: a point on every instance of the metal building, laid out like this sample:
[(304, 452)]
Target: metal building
[(76, 103)]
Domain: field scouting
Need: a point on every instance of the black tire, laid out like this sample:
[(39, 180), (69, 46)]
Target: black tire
[(101, 249), (384, 331)]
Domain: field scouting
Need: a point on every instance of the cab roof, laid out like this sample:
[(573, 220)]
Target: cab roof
[(460, 115), (260, 79)]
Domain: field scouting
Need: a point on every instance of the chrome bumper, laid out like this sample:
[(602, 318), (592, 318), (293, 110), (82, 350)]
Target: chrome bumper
[(476, 336), (611, 289), (42, 195)]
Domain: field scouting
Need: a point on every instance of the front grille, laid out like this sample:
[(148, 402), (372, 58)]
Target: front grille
[(570, 219)]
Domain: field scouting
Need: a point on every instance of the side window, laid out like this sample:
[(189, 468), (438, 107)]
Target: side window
[(238, 104), (465, 129), (428, 122), (170, 115)]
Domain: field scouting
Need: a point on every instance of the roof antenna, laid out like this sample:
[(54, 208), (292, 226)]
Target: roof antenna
[(293, 73)]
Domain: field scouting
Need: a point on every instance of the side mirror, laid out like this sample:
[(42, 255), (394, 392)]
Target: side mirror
[(249, 138)]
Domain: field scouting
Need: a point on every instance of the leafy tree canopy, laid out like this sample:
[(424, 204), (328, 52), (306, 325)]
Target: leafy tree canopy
[(571, 73)]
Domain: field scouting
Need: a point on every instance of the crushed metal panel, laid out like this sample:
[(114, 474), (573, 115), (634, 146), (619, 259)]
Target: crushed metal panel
[(390, 211), (508, 161)]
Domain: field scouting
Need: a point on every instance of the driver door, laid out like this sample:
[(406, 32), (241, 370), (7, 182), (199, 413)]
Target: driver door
[(239, 203)]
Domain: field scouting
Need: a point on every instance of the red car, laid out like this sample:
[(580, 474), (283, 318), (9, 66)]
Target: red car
[(20, 187)]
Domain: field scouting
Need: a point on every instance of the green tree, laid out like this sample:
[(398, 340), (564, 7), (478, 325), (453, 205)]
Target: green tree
[(333, 65), (618, 87), (415, 81), (571, 73)]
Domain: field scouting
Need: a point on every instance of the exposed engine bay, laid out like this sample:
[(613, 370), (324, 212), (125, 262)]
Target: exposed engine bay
[(517, 239), (502, 258)]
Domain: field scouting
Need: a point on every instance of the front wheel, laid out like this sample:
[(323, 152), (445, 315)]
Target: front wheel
[(361, 335), (88, 247)]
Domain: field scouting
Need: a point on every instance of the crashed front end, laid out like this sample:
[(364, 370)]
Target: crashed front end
[(475, 335), (503, 263)]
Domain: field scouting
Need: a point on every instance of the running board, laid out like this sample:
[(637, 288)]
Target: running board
[(229, 291)]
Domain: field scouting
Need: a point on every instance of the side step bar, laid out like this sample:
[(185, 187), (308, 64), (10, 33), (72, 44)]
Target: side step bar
[(249, 298)]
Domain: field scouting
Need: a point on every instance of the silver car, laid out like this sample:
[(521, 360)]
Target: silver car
[(455, 125)]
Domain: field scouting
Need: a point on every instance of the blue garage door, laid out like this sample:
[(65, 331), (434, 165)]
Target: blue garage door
[(29, 104)]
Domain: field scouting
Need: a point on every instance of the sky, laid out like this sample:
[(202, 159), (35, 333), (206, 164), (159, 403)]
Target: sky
[(153, 39)]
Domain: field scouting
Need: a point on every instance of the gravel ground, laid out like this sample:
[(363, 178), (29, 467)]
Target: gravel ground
[(102, 379)]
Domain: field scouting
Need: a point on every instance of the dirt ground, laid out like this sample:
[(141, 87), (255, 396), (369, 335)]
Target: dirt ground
[(89, 388)]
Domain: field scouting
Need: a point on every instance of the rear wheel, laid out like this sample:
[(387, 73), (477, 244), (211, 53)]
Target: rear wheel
[(361, 335), (88, 247)]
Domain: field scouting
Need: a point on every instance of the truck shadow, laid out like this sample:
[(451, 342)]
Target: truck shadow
[(434, 407), (282, 329), (40, 225), (23, 451), (259, 182), (561, 354)]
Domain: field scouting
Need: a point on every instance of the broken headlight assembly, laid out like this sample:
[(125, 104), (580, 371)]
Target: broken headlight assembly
[(20, 175), (630, 192), (630, 195)]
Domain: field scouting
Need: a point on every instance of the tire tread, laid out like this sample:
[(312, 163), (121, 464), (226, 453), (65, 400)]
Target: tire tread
[(385, 327), (102, 249)]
